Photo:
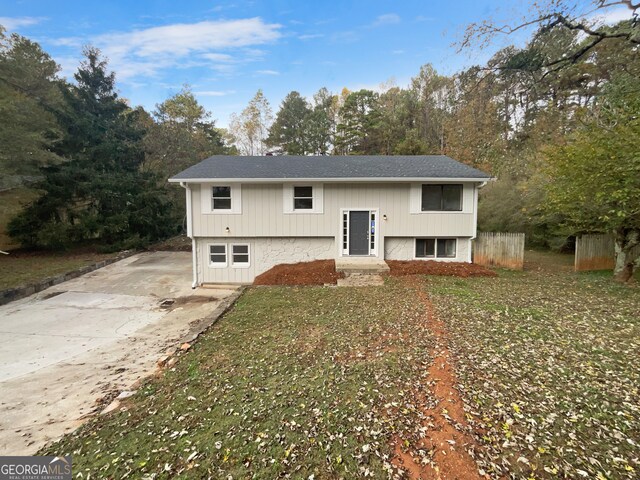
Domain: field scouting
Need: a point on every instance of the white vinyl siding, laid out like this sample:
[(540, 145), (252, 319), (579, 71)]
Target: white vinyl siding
[(263, 213)]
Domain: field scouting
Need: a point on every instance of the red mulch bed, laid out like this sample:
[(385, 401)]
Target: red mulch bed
[(318, 272), (399, 268)]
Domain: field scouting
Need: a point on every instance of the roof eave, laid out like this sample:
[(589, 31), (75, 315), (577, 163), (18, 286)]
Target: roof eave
[(332, 179)]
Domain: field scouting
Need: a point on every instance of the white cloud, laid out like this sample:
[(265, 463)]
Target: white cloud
[(310, 36), (11, 23), (612, 16), (214, 93), (218, 57), (397, 52), (386, 19), (145, 52), (268, 72), (183, 38), (74, 42)]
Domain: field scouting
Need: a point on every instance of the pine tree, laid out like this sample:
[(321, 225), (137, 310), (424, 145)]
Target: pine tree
[(99, 193)]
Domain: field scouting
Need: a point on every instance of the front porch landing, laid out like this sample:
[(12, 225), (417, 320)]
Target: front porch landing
[(361, 265)]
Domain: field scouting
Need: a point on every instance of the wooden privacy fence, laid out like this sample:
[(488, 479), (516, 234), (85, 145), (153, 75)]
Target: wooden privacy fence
[(596, 252), (499, 250)]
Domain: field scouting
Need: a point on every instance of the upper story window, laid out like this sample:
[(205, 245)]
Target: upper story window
[(445, 197), (303, 198), (221, 198)]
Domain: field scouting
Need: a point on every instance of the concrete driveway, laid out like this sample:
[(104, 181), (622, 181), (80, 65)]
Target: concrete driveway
[(77, 342)]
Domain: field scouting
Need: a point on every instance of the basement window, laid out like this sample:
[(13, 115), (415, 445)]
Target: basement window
[(240, 255), (218, 255), (435, 247)]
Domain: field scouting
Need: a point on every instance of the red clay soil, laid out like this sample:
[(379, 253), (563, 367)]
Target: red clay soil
[(318, 272), (400, 268), (445, 436)]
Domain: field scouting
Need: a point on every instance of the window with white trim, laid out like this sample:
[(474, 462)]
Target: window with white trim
[(435, 247), (218, 255), (240, 255), (220, 197), (447, 198), (303, 198)]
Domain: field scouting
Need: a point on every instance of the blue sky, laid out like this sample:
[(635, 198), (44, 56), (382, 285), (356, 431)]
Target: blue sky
[(228, 50)]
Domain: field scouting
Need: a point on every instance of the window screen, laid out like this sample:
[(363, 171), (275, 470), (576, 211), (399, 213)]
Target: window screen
[(435, 247), (441, 198), (218, 253), (446, 247), (425, 247), (452, 197), (240, 254), (302, 198), (222, 198)]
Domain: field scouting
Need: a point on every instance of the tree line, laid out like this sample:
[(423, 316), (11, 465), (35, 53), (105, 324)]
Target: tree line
[(100, 165), (555, 121)]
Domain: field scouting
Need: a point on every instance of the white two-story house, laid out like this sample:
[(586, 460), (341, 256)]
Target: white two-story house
[(247, 214)]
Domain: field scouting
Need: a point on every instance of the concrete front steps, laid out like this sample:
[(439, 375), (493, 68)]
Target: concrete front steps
[(361, 265)]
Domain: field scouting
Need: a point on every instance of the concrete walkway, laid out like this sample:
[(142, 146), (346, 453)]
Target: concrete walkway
[(70, 345)]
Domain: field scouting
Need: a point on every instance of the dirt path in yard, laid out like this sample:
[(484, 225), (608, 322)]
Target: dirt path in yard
[(445, 437)]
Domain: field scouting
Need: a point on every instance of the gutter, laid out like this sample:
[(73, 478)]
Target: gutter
[(475, 214), (330, 179), (194, 252)]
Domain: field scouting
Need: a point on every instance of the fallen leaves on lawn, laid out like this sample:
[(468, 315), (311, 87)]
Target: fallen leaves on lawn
[(550, 365)]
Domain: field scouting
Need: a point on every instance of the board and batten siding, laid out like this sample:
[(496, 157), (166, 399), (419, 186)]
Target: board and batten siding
[(263, 213)]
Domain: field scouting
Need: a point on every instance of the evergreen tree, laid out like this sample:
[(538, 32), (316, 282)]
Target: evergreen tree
[(29, 96), (289, 132), (100, 192)]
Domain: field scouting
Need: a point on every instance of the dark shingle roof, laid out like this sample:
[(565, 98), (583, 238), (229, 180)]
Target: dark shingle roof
[(329, 167)]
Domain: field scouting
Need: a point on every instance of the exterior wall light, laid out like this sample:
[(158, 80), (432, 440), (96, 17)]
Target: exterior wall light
[(227, 230), (384, 217)]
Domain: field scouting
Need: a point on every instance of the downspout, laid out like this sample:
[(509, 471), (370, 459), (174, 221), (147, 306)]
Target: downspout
[(475, 215), (194, 251)]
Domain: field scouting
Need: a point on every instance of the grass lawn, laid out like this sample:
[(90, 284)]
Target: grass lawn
[(549, 362), (20, 268), (301, 381)]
